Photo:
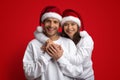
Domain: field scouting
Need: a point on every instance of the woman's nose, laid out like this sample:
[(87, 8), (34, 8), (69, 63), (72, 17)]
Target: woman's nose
[(69, 26)]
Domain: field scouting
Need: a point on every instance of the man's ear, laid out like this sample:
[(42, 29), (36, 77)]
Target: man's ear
[(42, 24)]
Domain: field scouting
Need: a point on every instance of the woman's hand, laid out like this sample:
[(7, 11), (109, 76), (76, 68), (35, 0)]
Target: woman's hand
[(46, 45), (55, 51)]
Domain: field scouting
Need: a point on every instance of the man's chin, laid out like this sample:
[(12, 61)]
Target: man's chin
[(50, 35)]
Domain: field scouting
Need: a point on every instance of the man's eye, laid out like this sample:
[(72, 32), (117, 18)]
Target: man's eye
[(47, 21), (56, 22)]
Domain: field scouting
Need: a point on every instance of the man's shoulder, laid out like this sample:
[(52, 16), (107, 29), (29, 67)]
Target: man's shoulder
[(34, 41), (66, 40), (68, 43)]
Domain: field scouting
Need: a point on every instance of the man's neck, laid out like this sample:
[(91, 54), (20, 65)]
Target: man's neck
[(54, 38)]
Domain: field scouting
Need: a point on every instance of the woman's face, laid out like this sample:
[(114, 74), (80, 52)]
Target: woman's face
[(70, 28)]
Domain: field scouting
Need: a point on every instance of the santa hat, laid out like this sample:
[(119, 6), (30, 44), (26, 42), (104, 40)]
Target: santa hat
[(50, 11), (71, 15)]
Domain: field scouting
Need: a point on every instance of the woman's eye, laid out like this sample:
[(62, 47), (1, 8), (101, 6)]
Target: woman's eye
[(65, 24), (73, 24)]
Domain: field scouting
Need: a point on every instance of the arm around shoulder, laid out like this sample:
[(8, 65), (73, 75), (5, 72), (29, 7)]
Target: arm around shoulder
[(39, 35)]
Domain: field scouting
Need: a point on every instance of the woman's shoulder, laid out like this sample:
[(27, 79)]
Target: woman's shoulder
[(86, 38), (85, 35)]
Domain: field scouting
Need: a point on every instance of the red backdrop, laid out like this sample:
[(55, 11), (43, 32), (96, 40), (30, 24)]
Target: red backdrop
[(19, 18)]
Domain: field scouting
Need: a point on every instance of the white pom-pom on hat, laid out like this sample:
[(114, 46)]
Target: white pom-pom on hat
[(83, 33), (39, 29)]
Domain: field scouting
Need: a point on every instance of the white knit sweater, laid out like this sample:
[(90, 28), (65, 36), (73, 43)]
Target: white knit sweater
[(39, 65), (83, 55)]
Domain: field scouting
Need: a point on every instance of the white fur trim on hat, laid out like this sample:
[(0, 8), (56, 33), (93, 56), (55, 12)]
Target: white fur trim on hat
[(51, 14), (71, 18)]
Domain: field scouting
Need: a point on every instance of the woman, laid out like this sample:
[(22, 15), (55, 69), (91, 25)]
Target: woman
[(71, 24)]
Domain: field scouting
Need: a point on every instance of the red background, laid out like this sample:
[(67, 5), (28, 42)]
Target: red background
[(19, 18)]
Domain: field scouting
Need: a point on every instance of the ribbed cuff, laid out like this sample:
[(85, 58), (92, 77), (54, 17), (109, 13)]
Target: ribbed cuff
[(61, 59)]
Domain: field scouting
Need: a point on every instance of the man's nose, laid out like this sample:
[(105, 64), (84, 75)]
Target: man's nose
[(51, 24)]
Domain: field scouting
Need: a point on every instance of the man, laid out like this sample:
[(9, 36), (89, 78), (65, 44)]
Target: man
[(42, 65)]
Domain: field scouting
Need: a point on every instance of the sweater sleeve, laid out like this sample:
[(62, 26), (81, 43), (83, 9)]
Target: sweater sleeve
[(71, 64), (34, 67), (84, 50), (68, 66), (69, 69), (40, 36)]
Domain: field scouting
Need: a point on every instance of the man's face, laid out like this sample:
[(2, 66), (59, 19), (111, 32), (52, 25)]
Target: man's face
[(51, 26)]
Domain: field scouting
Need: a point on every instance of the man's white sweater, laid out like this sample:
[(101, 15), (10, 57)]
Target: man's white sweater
[(39, 65)]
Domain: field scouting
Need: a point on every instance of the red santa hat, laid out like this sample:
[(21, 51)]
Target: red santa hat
[(50, 11), (71, 15)]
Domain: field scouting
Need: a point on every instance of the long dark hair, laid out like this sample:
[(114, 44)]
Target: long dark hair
[(76, 37)]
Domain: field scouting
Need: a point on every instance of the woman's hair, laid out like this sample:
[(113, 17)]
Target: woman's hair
[(76, 36)]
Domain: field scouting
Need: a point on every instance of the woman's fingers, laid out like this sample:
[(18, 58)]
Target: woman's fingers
[(49, 52)]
